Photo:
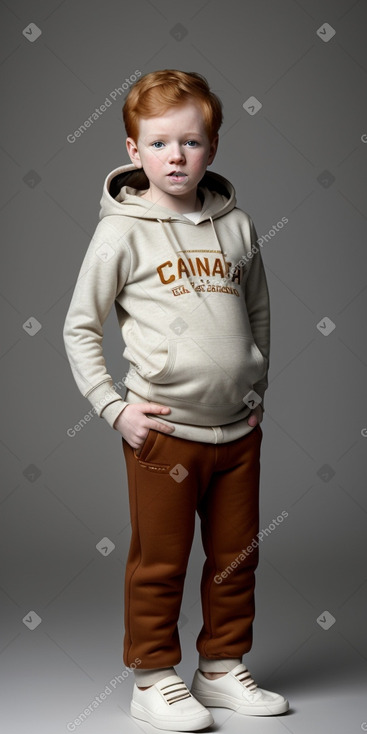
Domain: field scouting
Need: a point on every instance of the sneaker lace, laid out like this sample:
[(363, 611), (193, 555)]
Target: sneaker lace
[(175, 692), (245, 678)]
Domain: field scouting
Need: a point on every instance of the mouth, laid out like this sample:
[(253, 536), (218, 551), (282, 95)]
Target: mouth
[(177, 176)]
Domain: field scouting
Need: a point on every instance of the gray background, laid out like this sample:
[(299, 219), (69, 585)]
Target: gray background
[(301, 156)]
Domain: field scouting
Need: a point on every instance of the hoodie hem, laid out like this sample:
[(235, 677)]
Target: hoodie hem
[(206, 433)]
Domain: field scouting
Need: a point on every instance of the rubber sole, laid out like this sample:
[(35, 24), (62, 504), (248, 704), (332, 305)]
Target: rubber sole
[(194, 723), (215, 701)]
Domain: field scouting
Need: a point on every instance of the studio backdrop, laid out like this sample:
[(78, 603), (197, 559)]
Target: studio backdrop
[(292, 77)]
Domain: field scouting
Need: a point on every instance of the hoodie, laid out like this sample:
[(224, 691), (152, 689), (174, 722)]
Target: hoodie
[(192, 305)]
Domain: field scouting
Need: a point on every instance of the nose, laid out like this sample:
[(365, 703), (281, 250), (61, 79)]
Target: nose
[(176, 153)]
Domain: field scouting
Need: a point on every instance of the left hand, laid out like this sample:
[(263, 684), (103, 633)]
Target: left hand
[(255, 416)]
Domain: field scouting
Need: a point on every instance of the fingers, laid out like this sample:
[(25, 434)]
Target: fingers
[(255, 416), (135, 421), (152, 408), (162, 427)]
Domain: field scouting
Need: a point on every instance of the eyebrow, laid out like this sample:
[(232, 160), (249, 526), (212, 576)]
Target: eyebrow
[(184, 135)]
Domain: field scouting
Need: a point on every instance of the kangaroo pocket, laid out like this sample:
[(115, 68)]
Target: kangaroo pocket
[(210, 371), (147, 353)]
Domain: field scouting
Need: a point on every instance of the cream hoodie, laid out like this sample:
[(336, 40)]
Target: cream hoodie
[(195, 322)]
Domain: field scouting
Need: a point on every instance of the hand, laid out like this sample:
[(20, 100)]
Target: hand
[(134, 425), (255, 416)]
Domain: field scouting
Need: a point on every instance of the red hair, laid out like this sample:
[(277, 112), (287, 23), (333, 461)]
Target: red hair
[(157, 91)]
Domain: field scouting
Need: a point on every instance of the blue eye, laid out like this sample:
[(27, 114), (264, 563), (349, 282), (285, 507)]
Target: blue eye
[(158, 143), (191, 143)]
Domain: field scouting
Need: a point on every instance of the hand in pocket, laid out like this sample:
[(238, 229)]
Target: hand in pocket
[(134, 424)]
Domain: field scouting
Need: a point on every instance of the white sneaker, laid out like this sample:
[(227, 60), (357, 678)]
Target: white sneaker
[(169, 705), (236, 690)]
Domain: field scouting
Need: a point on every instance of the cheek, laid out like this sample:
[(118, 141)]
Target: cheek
[(155, 163), (201, 156), (199, 162)]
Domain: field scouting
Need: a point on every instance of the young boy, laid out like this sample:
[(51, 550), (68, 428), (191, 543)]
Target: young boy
[(173, 253)]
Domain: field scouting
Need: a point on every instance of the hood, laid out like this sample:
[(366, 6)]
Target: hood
[(121, 196)]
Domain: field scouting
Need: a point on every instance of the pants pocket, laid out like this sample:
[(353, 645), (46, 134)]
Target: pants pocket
[(146, 448), (149, 452)]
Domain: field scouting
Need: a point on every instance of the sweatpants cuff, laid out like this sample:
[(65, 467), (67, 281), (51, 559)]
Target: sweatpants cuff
[(151, 677), (218, 666)]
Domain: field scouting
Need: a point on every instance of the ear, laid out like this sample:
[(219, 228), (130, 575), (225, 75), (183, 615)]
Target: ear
[(213, 149), (133, 152)]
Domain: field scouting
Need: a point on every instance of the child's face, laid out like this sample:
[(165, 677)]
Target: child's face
[(174, 150)]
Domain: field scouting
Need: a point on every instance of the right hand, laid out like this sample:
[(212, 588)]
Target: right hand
[(134, 424)]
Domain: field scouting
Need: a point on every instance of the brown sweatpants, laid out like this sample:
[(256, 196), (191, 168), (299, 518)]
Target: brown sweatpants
[(170, 479)]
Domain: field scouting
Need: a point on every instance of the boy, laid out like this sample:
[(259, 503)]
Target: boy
[(173, 253)]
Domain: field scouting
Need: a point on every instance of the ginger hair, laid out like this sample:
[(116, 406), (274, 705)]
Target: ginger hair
[(157, 91)]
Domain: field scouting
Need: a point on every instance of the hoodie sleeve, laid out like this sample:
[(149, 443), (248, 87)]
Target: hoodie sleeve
[(258, 306), (102, 276)]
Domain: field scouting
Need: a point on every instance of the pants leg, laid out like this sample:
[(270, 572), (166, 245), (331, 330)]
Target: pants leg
[(169, 480), (162, 510), (229, 513)]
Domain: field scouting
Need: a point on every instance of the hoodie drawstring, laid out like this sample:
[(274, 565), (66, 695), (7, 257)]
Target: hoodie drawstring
[(172, 239)]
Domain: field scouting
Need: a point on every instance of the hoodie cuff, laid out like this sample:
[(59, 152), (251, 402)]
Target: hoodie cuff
[(106, 401), (112, 411)]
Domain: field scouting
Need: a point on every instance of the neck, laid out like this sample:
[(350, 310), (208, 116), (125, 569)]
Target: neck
[(181, 205)]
